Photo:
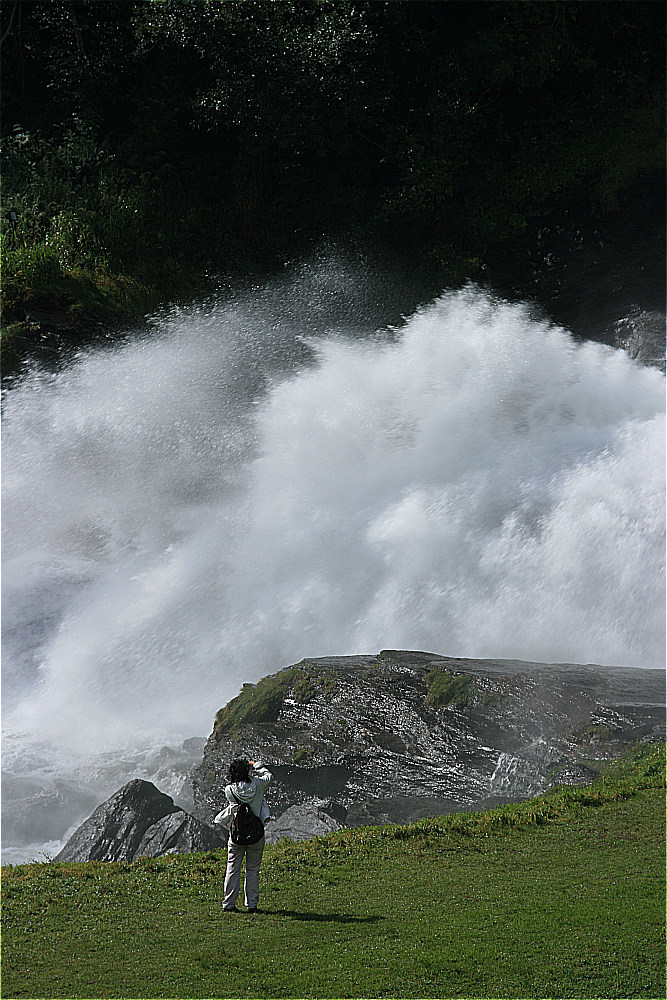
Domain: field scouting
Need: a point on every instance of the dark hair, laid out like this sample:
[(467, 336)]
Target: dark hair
[(239, 770)]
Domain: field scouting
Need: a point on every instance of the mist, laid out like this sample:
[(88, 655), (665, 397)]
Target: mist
[(255, 480)]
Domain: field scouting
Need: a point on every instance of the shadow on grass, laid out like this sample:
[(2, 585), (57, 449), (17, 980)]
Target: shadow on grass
[(336, 918)]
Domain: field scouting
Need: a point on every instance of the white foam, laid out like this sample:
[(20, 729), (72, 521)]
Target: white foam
[(204, 505)]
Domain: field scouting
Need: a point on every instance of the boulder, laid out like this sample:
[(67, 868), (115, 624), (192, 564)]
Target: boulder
[(178, 833), (573, 774), (400, 735), (138, 821), (301, 822)]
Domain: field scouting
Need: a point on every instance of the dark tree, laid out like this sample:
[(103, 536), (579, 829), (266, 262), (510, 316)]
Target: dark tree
[(161, 138)]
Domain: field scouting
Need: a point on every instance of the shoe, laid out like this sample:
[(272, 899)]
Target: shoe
[(254, 909), (229, 909)]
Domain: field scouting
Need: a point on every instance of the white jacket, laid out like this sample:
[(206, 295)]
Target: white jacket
[(251, 792)]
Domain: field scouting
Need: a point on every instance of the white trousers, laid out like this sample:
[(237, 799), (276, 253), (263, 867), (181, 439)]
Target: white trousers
[(253, 859)]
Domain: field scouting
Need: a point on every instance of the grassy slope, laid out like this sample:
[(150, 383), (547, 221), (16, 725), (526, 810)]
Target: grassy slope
[(560, 897)]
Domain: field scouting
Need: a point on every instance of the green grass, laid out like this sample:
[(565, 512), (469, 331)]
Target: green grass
[(34, 277), (261, 702), (74, 298), (563, 896), (447, 688), (256, 703)]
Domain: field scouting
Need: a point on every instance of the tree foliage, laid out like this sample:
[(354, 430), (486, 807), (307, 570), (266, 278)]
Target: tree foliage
[(222, 131)]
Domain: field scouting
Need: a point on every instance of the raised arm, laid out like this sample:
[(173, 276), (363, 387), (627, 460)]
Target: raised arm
[(262, 774)]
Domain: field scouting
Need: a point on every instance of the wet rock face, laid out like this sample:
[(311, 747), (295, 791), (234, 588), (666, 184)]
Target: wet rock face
[(138, 821), (400, 735)]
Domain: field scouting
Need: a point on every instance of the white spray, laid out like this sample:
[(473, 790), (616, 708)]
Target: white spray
[(206, 504)]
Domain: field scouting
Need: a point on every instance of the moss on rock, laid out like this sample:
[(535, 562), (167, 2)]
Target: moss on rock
[(261, 703), (303, 755), (305, 689), (446, 688)]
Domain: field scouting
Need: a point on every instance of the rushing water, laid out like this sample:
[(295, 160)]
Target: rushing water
[(261, 479)]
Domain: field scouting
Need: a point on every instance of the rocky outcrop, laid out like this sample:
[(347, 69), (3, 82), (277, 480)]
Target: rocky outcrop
[(301, 822), (393, 737), (138, 821), (40, 805), (363, 740), (178, 833)]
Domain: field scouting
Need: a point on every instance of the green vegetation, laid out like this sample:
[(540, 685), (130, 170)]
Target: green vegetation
[(447, 688), (302, 756), (36, 276), (314, 684), (149, 144), (261, 703), (305, 689), (256, 703), (562, 896)]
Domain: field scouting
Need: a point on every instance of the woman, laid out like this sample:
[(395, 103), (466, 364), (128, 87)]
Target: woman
[(244, 788)]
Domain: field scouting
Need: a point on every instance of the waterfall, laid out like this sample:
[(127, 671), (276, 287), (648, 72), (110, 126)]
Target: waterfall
[(257, 480)]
